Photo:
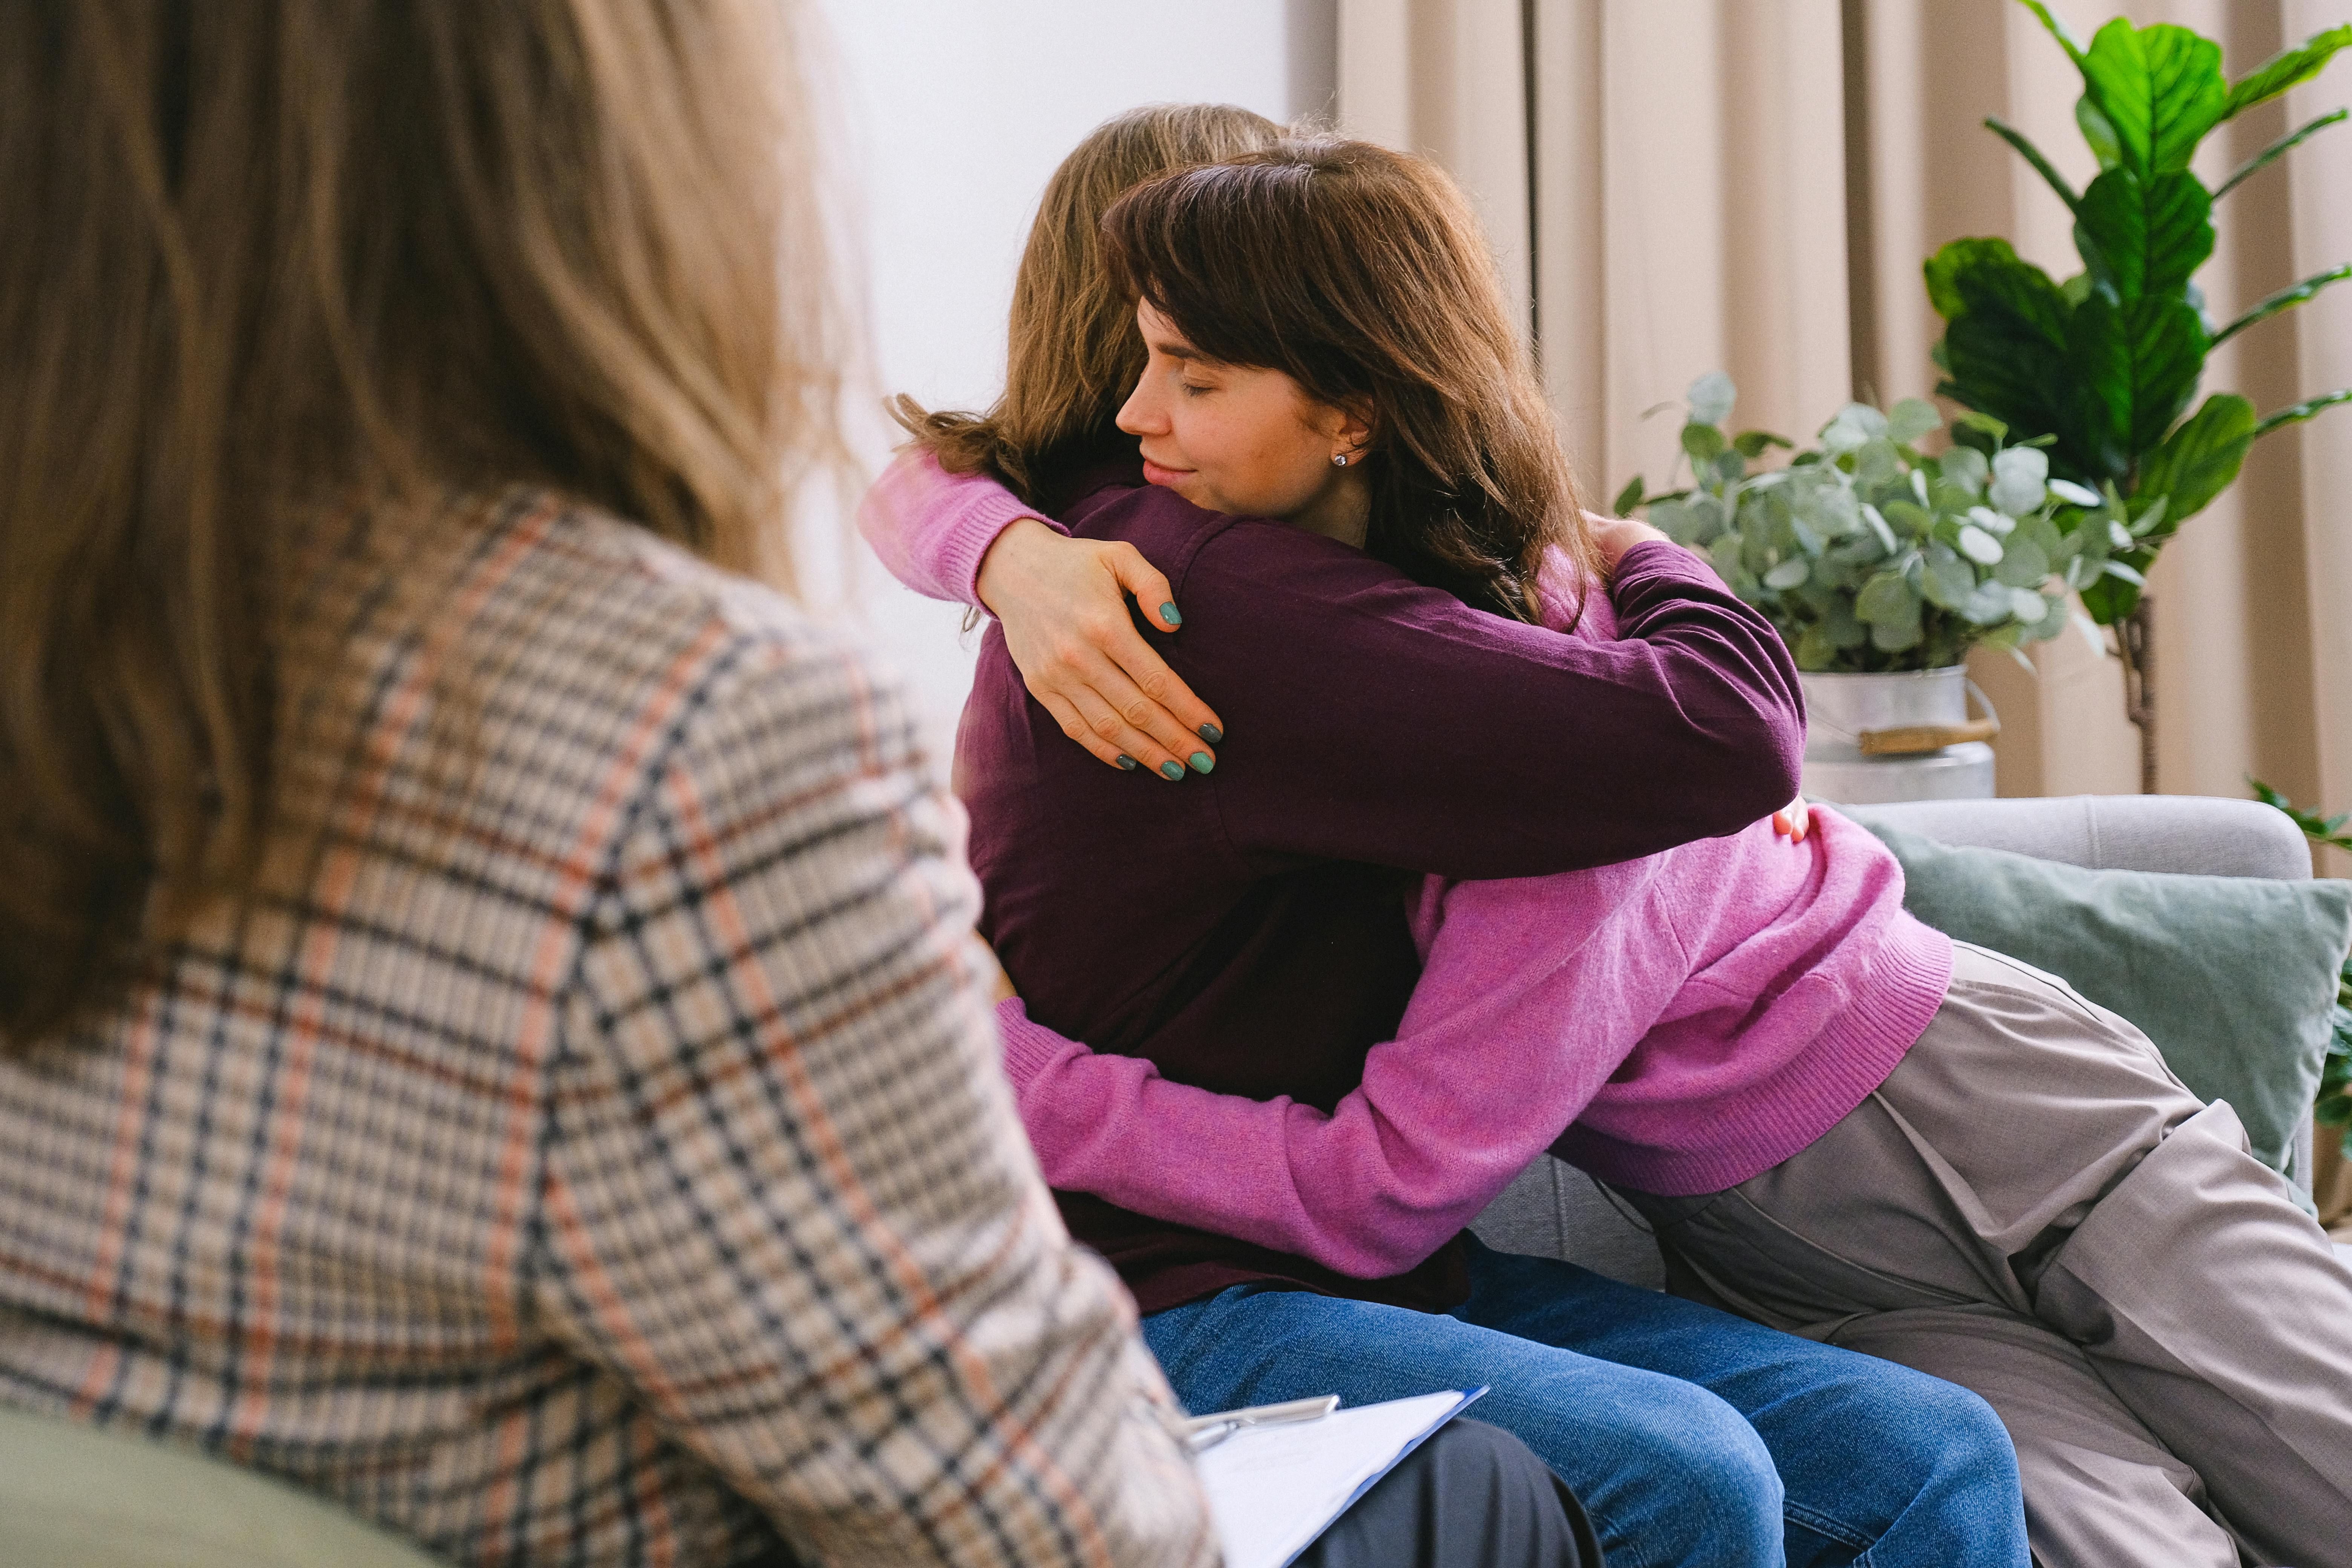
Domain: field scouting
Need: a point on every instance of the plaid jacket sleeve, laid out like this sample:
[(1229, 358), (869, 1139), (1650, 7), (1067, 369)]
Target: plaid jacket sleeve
[(783, 1191)]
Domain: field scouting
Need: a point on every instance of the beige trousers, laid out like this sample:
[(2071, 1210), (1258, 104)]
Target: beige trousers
[(2033, 1206)]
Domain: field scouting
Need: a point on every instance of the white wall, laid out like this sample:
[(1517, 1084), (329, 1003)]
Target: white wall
[(950, 116)]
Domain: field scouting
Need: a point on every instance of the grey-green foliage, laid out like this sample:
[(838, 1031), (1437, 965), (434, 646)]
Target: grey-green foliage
[(1870, 555)]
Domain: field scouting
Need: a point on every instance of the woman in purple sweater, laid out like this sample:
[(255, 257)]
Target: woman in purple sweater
[(1841, 1124), (1246, 928)]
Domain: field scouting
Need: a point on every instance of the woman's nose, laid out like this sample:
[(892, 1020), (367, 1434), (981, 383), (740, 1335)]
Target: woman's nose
[(1137, 416)]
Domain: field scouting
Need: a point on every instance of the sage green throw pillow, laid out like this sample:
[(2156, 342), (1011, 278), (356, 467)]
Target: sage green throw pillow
[(2232, 977), (72, 1496)]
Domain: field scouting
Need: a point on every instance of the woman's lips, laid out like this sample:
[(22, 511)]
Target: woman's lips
[(1154, 474)]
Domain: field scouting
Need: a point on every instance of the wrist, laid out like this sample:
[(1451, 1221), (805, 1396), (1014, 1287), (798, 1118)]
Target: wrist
[(999, 564)]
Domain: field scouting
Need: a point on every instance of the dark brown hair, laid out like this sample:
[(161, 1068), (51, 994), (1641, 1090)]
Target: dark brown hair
[(1071, 350), (1362, 275), (281, 258)]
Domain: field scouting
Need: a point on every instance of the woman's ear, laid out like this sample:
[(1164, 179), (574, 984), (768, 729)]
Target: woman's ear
[(1350, 424)]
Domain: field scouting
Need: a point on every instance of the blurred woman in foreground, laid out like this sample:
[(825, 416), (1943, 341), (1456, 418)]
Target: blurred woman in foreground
[(492, 1032)]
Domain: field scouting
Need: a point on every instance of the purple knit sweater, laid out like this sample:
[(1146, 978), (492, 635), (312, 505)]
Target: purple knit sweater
[(1692, 1018)]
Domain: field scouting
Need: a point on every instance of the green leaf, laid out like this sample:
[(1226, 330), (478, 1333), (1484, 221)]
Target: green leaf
[(1886, 597), (2097, 133), (2033, 155), (1627, 498), (2147, 517), (1875, 520), (1711, 397), (1851, 428), (2067, 36), (2285, 68), (1789, 573), (1979, 546), (2279, 148), (2160, 87), (2020, 475), (2134, 367), (1975, 422), (1692, 520), (1913, 417), (1846, 629), (1705, 443), (1948, 581), (2006, 344), (2142, 237), (2023, 564), (2109, 599), (2296, 414), (1989, 605), (1895, 637), (1814, 650), (1752, 442), (2200, 459), (2286, 298), (1943, 268)]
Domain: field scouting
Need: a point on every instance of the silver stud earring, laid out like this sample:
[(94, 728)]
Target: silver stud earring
[(1338, 460)]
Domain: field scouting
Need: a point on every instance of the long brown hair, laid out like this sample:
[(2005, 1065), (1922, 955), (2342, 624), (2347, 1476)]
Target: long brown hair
[(1362, 275), (1071, 350), (267, 258)]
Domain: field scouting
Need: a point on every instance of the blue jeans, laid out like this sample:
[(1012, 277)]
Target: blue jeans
[(1691, 1436)]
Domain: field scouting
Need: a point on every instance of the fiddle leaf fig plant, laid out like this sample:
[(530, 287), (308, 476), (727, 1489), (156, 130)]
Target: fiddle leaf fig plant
[(2102, 366), (1871, 556)]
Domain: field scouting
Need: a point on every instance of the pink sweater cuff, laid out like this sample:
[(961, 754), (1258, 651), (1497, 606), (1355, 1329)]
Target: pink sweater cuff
[(932, 528), (1029, 1049)]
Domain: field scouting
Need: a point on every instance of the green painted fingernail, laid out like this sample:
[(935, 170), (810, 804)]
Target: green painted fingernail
[(1168, 613), (1126, 761), (1202, 761), (1212, 735), (1171, 771)]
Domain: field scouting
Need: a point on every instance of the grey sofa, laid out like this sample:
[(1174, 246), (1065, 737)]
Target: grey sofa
[(1553, 1210)]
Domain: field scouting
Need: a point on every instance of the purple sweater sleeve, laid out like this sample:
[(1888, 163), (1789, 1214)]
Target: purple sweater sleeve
[(1369, 718), (931, 528), (1486, 1068)]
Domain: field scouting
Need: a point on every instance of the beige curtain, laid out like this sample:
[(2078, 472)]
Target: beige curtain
[(1673, 186)]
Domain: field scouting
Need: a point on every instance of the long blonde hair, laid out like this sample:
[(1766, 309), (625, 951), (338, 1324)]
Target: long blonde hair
[(266, 258), (1071, 350)]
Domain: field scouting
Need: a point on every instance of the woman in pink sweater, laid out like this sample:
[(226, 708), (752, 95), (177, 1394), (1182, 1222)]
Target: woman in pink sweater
[(1841, 1123)]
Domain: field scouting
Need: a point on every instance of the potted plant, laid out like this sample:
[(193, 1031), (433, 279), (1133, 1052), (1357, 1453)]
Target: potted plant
[(2102, 366), (1882, 565)]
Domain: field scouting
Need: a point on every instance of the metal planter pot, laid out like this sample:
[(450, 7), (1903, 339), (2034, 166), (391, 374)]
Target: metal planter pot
[(1875, 738)]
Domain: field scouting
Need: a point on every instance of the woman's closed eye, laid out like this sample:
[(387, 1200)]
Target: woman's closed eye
[(1195, 389)]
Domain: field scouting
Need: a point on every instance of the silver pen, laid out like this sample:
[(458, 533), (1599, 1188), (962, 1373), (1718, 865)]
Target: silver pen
[(1202, 1433)]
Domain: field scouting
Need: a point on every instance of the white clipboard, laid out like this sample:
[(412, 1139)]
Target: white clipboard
[(1273, 1489)]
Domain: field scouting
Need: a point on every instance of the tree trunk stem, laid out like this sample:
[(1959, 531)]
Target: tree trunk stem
[(2135, 645)]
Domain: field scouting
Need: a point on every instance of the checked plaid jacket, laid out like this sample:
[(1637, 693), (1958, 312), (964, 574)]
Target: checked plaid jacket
[(606, 1160)]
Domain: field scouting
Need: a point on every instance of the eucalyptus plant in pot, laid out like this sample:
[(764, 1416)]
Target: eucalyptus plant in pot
[(1882, 565)]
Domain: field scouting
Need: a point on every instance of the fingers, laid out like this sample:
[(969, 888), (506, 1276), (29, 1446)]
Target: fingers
[(1794, 821), (1180, 717), (1136, 681), (1076, 728), (1140, 577), (1086, 718)]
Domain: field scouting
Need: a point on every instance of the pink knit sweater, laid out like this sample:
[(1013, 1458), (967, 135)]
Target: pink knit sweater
[(1691, 1018)]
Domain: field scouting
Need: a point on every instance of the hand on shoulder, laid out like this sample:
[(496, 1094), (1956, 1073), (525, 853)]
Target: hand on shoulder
[(1615, 537)]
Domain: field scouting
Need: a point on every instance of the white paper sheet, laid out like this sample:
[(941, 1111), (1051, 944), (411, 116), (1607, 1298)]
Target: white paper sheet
[(1273, 1489)]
